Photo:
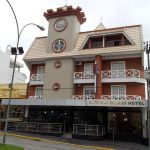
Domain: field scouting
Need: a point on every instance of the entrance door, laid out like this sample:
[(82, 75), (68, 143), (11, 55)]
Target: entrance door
[(125, 123), (68, 121)]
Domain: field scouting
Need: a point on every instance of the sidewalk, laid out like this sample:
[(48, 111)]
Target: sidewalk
[(117, 145)]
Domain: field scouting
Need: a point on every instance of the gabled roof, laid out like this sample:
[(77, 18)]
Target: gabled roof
[(38, 49), (100, 27)]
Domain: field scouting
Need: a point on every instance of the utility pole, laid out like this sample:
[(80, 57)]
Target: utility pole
[(147, 50)]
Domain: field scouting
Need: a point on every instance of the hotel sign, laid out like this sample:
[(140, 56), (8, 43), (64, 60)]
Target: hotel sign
[(117, 103)]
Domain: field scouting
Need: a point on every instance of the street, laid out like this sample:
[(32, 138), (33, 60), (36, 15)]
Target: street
[(29, 144)]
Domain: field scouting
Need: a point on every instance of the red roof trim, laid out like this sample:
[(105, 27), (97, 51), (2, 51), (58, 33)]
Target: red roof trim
[(62, 11), (111, 29)]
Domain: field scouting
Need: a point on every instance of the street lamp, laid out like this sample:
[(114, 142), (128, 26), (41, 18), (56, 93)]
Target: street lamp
[(15, 51), (147, 77)]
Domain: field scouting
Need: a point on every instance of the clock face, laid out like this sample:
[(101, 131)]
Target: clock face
[(59, 45), (60, 24)]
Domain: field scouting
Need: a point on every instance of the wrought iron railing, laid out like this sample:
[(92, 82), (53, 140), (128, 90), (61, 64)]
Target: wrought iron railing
[(36, 127), (83, 97), (128, 73), (84, 75), (121, 97), (87, 129)]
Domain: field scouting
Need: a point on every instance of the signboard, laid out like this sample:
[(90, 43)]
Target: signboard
[(117, 103), (78, 102)]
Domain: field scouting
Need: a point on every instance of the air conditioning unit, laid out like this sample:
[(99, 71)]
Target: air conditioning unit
[(78, 63)]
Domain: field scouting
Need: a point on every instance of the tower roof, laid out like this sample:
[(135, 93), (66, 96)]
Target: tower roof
[(66, 11)]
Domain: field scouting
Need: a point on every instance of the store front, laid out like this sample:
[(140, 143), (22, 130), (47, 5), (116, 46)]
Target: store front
[(123, 122), (115, 119)]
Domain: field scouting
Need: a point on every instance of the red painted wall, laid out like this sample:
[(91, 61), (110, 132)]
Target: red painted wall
[(80, 68), (130, 63), (31, 90), (131, 89), (34, 68)]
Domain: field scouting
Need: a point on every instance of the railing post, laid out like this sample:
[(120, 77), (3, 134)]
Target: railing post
[(38, 126), (16, 126), (97, 130)]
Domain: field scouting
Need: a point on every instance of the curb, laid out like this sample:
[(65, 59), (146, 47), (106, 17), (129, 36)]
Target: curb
[(58, 142)]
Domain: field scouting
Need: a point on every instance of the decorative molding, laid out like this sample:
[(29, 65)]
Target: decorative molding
[(57, 64), (56, 86), (66, 11), (61, 50)]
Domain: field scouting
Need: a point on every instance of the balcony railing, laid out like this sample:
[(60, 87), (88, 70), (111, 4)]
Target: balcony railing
[(121, 97), (37, 77), (35, 97), (86, 129), (83, 97), (117, 43), (128, 73), (96, 44), (84, 75)]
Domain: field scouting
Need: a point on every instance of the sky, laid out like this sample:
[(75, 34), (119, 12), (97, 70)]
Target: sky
[(112, 13)]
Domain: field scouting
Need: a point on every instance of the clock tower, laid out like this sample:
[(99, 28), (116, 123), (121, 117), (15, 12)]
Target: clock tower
[(64, 26)]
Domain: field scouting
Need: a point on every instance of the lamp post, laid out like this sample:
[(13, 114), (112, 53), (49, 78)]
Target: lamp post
[(147, 50), (15, 51)]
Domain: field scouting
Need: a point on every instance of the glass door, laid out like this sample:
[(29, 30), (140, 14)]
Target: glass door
[(118, 91), (118, 69), (88, 70)]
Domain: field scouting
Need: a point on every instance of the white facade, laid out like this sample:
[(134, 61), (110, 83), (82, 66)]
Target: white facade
[(6, 69)]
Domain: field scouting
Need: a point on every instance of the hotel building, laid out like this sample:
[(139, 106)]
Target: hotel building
[(88, 84)]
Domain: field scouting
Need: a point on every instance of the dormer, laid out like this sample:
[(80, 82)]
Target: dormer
[(106, 40)]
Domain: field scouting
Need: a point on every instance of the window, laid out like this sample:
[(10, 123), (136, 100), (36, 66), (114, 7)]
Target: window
[(40, 70), (87, 91), (88, 70), (118, 91), (118, 69), (39, 91), (59, 45)]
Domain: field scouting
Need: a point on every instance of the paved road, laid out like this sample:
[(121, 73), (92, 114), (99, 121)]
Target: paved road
[(44, 142), (29, 144)]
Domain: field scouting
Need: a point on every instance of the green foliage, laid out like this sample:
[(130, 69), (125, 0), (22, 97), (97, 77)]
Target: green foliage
[(9, 147)]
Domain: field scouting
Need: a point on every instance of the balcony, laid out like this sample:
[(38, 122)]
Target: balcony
[(36, 79), (118, 42), (84, 77), (82, 97), (121, 97), (35, 97), (128, 75)]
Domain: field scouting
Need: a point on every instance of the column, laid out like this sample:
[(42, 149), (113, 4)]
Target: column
[(98, 61), (144, 122), (26, 111)]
